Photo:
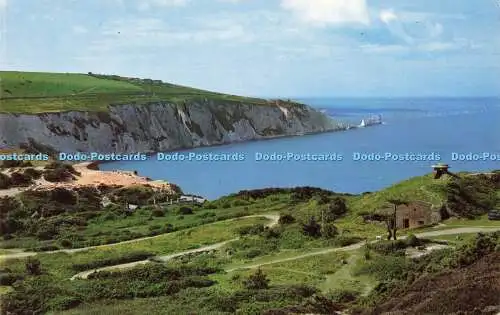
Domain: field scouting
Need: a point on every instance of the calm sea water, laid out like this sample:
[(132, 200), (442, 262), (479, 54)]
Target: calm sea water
[(442, 126)]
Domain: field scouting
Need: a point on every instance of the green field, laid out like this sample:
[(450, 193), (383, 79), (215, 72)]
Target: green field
[(37, 92)]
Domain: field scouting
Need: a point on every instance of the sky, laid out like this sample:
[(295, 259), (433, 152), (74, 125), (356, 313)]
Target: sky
[(294, 48)]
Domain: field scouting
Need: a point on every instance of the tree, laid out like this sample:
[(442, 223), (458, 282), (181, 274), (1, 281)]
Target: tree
[(312, 228), (391, 219), (257, 281)]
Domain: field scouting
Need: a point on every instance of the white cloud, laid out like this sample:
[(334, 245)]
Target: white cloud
[(328, 12), (388, 16), (3, 4), (148, 4)]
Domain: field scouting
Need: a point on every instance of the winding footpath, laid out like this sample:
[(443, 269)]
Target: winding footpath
[(452, 231), (19, 253), (274, 218)]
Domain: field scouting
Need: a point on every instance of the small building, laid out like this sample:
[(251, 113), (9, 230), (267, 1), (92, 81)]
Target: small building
[(441, 169), (415, 214), (187, 198)]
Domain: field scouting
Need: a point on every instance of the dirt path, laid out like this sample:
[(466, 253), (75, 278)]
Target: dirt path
[(463, 230), (274, 220), (83, 275), (20, 254)]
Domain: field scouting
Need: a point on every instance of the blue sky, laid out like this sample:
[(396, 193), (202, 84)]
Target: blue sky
[(265, 47)]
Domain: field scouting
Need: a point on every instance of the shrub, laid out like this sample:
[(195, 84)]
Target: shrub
[(273, 232), (389, 247), (413, 241), (240, 202), (33, 173), (8, 278), (312, 228), (64, 196), (255, 229), (59, 165), (33, 266), (328, 230), (158, 212), (343, 295), (20, 179), (209, 205), (12, 163), (286, 219), (57, 175), (343, 240), (322, 199), (256, 281), (185, 210), (125, 258), (335, 210), (66, 243), (5, 181)]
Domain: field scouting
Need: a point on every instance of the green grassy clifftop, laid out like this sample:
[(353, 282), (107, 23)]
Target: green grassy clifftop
[(37, 92)]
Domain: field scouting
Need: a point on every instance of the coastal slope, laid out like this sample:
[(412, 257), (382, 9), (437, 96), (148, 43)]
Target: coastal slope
[(156, 117)]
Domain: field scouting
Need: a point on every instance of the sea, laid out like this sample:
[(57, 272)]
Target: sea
[(416, 133)]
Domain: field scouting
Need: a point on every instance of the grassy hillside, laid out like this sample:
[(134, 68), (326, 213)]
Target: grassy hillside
[(36, 92), (420, 188), (304, 269)]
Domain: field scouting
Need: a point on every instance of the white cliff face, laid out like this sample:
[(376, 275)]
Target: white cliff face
[(159, 126)]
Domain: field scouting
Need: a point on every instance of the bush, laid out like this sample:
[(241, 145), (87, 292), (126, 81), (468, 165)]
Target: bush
[(57, 175), (239, 202), (7, 278), (5, 181), (273, 232), (335, 210), (64, 196), (286, 219), (185, 210), (66, 243), (413, 241), (158, 212), (12, 163), (125, 258), (20, 179), (312, 228), (328, 230), (343, 295), (256, 281), (33, 173), (33, 266), (255, 229), (389, 247), (343, 240)]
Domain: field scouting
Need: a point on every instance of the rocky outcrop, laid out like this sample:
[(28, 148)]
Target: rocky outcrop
[(160, 126)]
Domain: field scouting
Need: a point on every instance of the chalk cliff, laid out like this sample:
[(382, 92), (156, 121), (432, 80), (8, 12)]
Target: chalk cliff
[(160, 126)]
